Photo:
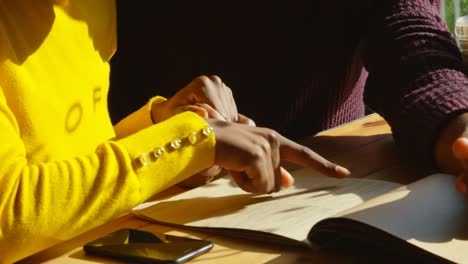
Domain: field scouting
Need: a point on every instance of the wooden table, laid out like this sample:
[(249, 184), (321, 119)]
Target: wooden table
[(364, 146)]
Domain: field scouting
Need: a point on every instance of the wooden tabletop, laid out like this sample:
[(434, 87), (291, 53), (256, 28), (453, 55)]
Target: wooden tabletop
[(364, 146)]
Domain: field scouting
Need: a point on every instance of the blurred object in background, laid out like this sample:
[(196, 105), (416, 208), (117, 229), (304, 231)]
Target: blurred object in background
[(451, 10), (461, 32)]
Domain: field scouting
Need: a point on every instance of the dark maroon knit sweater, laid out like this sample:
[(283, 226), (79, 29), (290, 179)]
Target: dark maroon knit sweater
[(301, 66), (416, 80)]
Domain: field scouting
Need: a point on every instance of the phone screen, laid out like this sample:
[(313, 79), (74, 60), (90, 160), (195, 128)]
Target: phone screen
[(145, 247)]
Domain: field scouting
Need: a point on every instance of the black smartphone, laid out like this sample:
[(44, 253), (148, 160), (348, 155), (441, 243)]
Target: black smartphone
[(145, 247)]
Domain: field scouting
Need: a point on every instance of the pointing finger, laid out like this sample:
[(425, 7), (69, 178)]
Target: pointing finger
[(304, 156)]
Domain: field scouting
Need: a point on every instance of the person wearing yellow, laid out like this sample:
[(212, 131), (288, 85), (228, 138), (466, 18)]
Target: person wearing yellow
[(64, 168)]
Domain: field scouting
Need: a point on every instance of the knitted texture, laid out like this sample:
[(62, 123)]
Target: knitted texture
[(416, 80)]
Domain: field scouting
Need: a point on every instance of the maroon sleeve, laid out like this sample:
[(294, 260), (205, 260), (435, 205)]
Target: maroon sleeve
[(416, 79)]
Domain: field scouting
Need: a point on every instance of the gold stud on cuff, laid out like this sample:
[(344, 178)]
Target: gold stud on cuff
[(158, 152), (207, 130), (143, 159), (193, 138), (176, 143)]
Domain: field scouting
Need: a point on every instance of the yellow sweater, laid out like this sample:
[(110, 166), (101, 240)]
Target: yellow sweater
[(63, 167)]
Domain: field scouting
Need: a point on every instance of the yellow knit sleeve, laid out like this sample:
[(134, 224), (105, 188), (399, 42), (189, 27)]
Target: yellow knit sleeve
[(137, 120), (42, 204), (179, 152)]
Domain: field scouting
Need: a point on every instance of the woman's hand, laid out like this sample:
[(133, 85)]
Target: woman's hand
[(253, 156), (207, 96)]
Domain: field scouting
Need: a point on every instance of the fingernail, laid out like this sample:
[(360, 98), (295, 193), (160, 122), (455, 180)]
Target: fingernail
[(342, 171)]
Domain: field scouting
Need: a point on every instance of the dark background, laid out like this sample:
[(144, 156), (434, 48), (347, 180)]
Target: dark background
[(267, 52)]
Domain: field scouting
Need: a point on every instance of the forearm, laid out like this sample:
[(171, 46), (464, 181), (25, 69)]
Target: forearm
[(51, 201), (44, 203), (416, 79)]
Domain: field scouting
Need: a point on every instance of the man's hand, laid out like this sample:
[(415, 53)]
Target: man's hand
[(460, 151), (451, 151)]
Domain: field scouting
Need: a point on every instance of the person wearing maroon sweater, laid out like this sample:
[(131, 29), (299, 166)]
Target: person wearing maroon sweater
[(304, 66)]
